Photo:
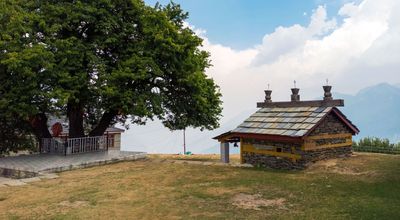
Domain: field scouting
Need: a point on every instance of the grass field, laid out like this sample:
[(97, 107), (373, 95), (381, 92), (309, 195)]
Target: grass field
[(365, 186)]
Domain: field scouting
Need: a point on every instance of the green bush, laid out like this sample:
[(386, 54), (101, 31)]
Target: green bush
[(14, 135), (376, 145)]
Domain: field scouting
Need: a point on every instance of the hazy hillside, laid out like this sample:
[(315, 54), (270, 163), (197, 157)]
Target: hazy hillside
[(375, 110)]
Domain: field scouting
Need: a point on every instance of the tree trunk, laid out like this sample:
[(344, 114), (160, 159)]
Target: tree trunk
[(104, 123), (75, 117), (39, 126)]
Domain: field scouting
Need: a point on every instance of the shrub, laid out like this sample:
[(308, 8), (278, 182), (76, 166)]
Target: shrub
[(376, 145)]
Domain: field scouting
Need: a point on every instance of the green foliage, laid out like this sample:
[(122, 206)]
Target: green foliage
[(376, 145), (14, 135), (115, 58), (23, 70)]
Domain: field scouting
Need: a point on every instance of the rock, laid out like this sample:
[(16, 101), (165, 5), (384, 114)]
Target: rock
[(48, 176), (30, 180), (14, 182)]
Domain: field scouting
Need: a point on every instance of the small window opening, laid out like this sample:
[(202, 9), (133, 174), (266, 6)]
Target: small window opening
[(278, 149)]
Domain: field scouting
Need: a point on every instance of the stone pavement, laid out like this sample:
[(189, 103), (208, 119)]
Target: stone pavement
[(4, 182), (28, 166)]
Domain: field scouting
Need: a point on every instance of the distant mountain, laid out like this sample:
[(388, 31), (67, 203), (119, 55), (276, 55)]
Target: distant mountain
[(375, 110)]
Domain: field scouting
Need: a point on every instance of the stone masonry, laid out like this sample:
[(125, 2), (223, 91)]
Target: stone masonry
[(308, 157), (330, 125)]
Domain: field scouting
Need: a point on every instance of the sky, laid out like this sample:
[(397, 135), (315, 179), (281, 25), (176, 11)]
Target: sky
[(240, 24), (256, 43)]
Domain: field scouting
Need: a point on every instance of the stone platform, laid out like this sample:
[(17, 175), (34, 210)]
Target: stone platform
[(27, 166)]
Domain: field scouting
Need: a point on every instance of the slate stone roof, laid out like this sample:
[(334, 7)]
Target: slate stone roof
[(114, 130), (292, 121)]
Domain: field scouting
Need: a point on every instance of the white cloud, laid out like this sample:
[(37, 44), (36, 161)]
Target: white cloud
[(348, 9), (360, 51), (290, 39)]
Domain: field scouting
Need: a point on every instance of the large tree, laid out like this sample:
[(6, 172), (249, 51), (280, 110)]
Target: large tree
[(100, 62)]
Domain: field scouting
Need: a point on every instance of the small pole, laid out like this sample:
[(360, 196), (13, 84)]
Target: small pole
[(184, 141), (107, 141)]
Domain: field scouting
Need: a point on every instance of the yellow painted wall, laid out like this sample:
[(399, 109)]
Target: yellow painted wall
[(310, 142), (117, 141), (247, 147)]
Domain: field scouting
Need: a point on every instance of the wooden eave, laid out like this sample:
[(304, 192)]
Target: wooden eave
[(282, 138), (346, 121)]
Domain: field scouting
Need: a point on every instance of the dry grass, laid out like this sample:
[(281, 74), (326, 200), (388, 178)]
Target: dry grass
[(196, 157), (162, 190)]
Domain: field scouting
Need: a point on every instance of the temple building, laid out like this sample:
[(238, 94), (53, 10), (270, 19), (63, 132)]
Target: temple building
[(292, 134)]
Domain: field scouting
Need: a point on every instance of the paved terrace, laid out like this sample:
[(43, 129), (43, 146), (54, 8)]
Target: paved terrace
[(26, 166)]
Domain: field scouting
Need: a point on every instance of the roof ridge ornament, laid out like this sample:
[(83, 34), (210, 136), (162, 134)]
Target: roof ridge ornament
[(295, 97), (327, 100), (327, 92)]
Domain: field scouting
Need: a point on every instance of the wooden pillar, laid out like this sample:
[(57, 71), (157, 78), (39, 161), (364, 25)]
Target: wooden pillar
[(225, 152), (241, 151)]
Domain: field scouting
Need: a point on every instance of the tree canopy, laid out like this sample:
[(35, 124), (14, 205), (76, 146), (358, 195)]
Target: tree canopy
[(100, 62)]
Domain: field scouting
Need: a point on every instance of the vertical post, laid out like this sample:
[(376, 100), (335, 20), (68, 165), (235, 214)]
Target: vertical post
[(107, 141), (40, 145), (65, 146), (225, 152), (184, 141), (241, 151)]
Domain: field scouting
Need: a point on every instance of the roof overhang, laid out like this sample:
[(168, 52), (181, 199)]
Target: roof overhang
[(229, 136), (346, 121)]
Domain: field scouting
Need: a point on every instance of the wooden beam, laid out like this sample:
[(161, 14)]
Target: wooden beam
[(267, 137), (312, 103), (328, 136), (310, 142)]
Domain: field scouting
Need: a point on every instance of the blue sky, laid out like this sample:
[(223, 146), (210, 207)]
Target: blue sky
[(243, 23)]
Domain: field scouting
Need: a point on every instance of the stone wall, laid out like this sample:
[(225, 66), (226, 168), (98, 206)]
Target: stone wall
[(285, 147), (331, 125), (327, 141), (16, 174), (262, 160), (307, 158)]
